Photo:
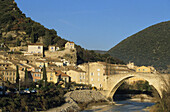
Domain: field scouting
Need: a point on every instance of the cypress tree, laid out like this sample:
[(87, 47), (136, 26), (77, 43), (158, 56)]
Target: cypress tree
[(26, 77), (17, 74), (32, 36), (44, 76)]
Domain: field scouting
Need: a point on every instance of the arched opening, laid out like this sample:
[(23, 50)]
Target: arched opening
[(126, 90)]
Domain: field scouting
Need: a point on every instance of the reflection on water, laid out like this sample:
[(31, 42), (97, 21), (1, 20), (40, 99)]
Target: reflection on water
[(122, 106)]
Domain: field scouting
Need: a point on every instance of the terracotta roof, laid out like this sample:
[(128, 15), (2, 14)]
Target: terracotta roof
[(35, 44), (61, 73)]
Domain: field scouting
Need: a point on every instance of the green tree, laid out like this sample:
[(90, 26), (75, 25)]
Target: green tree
[(17, 74), (32, 36), (47, 39), (44, 76), (26, 77)]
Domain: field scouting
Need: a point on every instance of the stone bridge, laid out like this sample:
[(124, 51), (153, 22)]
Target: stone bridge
[(114, 81)]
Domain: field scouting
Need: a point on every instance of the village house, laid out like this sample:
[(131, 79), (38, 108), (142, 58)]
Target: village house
[(53, 48), (36, 76), (144, 69), (69, 45), (77, 75), (53, 76), (40, 63), (36, 49), (95, 74), (8, 74)]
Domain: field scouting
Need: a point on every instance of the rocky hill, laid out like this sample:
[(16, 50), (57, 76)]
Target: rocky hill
[(16, 29), (150, 46)]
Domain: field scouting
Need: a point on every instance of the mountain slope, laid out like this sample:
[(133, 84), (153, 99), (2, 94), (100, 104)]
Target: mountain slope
[(150, 46), (16, 29)]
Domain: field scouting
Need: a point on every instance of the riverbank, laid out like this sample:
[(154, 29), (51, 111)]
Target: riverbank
[(79, 100)]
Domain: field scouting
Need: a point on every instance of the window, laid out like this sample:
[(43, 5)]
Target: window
[(143, 69), (98, 74), (39, 47), (51, 47), (98, 69), (51, 78), (92, 74), (91, 79), (100, 85), (98, 79), (35, 75)]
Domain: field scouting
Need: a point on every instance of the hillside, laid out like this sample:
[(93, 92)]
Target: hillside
[(150, 46), (16, 29)]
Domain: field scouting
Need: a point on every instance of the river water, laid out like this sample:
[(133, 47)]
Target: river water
[(122, 106)]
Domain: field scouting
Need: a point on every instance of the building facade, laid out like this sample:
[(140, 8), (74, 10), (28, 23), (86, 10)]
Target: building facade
[(69, 45), (35, 49)]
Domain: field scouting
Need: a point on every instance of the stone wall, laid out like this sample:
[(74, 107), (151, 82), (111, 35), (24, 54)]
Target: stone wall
[(68, 54)]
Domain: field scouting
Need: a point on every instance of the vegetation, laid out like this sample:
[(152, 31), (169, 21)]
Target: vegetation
[(139, 87), (147, 47), (44, 76), (12, 19), (45, 98), (163, 103), (17, 74)]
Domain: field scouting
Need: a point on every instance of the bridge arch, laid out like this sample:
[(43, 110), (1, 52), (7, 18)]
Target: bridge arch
[(116, 81)]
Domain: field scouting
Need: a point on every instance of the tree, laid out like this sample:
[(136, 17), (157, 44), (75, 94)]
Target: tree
[(26, 77), (47, 39), (44, 76), (32, 36), (17, 74)]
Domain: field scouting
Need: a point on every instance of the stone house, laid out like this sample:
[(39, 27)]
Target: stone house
[(8, 74), (36, 76), (40, 63), (53, 48), (69, 45), (36, 49), (144, 69), (95, 74), (77, 76), (52, 76)]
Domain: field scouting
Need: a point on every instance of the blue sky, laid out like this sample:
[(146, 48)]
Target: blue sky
[(96, 24)]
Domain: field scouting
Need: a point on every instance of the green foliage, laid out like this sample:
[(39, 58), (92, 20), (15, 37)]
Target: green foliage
[(32, 37), (139, 85), (44, 76), (163, 103), (147, 47), (47, 39), (44, 99), (17, 75)]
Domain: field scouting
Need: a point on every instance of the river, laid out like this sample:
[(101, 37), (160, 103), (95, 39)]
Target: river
[(122, 106)]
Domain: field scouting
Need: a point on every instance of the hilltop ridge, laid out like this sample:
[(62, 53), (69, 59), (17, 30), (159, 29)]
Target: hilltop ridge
[(150, 46), (18, 30)]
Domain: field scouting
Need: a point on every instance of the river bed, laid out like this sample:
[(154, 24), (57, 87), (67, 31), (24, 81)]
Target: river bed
[(122, 106)]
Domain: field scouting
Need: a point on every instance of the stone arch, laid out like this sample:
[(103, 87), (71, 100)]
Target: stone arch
[(114, 88)]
